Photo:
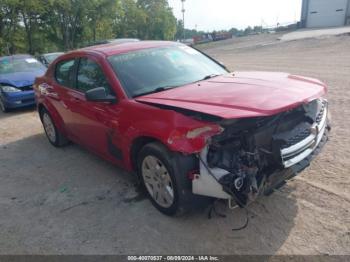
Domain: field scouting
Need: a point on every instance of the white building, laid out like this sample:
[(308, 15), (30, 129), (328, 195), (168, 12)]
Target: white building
[(325, 13)]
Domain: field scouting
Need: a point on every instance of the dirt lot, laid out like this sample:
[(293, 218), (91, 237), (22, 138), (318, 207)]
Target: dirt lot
[(68, 201)]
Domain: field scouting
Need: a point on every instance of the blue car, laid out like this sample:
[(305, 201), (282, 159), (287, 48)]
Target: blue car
[(17, 75)]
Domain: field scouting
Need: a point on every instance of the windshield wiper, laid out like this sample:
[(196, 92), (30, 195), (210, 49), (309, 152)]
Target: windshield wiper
[(207, 77), (157, 90)]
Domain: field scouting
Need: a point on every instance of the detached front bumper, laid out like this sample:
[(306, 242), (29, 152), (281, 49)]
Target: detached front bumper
[(294, 158), (205, 184), (18, 99)]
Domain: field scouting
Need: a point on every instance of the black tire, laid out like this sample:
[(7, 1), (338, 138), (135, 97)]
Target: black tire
[(178, 167), (59, 139), (3, 108)]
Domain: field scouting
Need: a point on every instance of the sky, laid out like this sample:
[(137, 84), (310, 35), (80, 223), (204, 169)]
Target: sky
[(209, 15)]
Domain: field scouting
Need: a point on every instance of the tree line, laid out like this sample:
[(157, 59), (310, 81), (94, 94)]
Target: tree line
[(39, 26)]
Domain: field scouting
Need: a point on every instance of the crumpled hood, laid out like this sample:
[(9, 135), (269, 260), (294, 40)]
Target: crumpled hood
[(242, 94), (20, 79)]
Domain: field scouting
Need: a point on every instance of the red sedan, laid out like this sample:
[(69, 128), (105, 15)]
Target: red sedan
[(189, 128)]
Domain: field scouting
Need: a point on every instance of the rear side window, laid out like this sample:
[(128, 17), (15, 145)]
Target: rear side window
[(65, 73), (90, 75)]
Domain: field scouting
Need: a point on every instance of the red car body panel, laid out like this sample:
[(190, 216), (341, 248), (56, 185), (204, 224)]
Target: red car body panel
[(112, 49), (242, 94), (111, 130)]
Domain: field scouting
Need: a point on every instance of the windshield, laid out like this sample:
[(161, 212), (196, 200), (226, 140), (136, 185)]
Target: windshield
[(157, 69), (10, 65)]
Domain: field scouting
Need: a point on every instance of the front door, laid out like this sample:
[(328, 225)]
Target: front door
[(94, 123)]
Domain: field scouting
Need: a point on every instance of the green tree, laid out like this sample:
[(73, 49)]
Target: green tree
[(248, 30), (179, 30), (66, 20), (9, 26), (51, 25), (100, 16), (160, 21), (131, 20), (30, 12)]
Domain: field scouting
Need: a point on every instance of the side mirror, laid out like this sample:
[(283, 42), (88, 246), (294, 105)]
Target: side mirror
[(99, 94)]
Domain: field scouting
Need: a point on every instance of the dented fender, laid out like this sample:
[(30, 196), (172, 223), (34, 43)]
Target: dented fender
[(194, 140), (178, 132)]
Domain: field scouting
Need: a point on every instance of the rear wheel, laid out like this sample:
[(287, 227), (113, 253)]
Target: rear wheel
[(164, 175), (55, 137)]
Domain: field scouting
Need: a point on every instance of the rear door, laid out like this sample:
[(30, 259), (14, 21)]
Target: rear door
[(58, 89)]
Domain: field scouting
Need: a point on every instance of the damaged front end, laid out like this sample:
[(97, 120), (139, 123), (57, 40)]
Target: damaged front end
[(254, 156)]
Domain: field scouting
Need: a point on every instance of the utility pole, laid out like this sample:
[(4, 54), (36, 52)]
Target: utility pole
[(183, 18)]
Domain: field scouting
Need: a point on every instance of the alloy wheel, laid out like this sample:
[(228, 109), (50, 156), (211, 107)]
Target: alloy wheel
[(158, 181), (49, 128)]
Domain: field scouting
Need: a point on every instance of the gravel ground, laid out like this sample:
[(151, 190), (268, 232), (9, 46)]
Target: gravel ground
[(69, 201)]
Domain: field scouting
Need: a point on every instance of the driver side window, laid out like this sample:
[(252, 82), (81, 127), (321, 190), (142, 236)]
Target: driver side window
[(90, 75)]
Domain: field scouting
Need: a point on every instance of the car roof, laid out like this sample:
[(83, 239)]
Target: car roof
[(20, 56), (54, 53), (119, 48), (114, 41)]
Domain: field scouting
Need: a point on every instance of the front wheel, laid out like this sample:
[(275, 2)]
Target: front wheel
[(164, 175)]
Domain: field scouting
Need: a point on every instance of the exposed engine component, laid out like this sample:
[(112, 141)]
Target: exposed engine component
[(250, 150), (243, 180)]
